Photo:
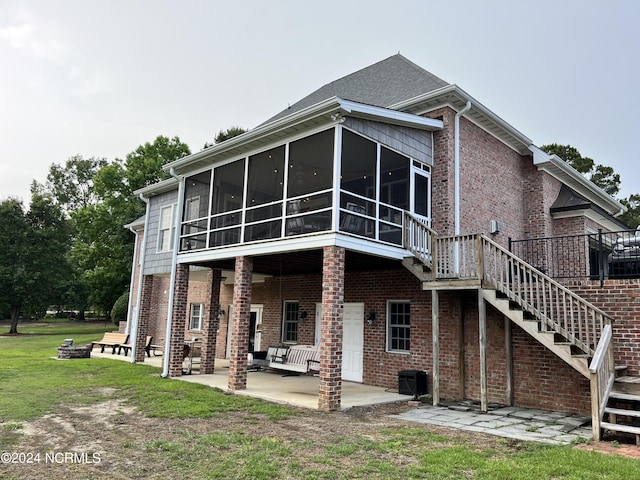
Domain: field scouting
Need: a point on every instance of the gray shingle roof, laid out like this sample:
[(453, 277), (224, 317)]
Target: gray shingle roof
[(382, 84)]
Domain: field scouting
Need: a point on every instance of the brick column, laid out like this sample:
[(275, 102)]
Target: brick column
[(179, 320), (211, 321), (144, 317), (330, 386), (240, 332)]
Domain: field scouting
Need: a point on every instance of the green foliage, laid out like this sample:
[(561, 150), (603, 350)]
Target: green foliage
[(228, 133), (606, 178), (102, 249), (120, 308), (71, 184), (34, 267), (603, 176), (631, 217), (143, 166)]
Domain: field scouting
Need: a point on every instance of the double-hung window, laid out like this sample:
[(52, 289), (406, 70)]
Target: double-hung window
[(196, 315), (290, 322), (398, 326), (167, 228)]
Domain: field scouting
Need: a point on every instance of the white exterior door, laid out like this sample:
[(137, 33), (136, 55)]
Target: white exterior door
[(352, 340)]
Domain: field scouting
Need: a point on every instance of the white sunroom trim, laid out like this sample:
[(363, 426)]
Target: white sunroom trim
[(323, 111)]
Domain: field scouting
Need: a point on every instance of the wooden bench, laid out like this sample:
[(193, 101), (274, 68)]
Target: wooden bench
[(127, 346), (295, 358), (111, 339)]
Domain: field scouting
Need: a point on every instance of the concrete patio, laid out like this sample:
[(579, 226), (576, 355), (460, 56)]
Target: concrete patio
[(277, 386)]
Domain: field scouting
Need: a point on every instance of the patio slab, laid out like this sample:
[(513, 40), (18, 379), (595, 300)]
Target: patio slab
[(279, 387)]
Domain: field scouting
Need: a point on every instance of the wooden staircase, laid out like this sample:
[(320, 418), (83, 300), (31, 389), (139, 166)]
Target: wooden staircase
[(569, 326), (531, 324), (622, 412)]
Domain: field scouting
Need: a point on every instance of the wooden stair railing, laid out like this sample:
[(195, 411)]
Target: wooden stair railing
[(558, 309), (603, 373)]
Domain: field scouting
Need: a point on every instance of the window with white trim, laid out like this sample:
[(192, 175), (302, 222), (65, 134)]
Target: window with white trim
[(290, 322), (196, 316), (398, 326), (167, 228)]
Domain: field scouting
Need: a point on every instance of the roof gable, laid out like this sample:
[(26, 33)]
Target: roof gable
[(382, 84)]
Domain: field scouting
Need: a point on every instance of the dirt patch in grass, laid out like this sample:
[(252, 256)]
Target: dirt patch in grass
[(115, 441)]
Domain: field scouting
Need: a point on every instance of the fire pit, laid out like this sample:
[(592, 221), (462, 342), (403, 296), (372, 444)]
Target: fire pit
[(68, 350)]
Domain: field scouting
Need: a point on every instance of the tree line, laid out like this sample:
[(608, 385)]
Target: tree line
[(69, 247)]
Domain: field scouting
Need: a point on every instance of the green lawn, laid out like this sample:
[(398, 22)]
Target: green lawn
[(32, 385)]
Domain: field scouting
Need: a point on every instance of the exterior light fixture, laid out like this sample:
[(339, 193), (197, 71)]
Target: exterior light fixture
[(372, 318)]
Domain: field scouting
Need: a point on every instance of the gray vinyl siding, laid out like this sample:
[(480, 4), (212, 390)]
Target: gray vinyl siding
[(416, 144), (157, 263)]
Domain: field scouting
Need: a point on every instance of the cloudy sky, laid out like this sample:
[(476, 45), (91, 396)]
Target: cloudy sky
[(98, 78)]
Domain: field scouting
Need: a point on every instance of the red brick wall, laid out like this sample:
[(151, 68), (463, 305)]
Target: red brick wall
[(540, 378), (497, 183), (621, 300)]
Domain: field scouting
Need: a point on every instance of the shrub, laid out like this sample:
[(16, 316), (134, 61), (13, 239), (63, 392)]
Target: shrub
[(120, 308)]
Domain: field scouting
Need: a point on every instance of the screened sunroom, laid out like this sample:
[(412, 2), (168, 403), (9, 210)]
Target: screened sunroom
[(355, 176)]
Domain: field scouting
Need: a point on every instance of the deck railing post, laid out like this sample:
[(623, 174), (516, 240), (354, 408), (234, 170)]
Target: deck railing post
[(601, 258), (481, 272)]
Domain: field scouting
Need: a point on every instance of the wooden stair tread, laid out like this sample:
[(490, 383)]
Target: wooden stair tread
[(622, 411), (627, 379), (615, 427), (625, 396)]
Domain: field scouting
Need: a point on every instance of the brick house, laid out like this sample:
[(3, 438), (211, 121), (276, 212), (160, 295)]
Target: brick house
[(373, 218)]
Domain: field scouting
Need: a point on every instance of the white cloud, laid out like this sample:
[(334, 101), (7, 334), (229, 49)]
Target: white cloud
[(28, 38)]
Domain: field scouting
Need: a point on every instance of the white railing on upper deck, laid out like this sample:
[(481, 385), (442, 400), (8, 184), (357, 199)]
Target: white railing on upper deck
[(418, 238)]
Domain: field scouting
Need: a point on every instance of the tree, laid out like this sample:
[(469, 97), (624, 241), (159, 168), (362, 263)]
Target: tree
[(102, 248), (143, 166), (34, 248), (603, 176), (71, 184), (631, 217), (226, 135)]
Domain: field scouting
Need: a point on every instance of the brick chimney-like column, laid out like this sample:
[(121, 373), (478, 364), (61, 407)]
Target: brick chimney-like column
[(241, 317), (330, 385), (179, 320), (210, 329), (144, 316)]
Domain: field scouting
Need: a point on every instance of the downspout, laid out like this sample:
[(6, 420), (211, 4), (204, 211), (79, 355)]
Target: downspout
[(456, 159), (174, 262), (456, 153), (133, 330), (127, 330)]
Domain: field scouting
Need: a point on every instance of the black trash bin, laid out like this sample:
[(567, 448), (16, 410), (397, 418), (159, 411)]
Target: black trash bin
[(412, 382)]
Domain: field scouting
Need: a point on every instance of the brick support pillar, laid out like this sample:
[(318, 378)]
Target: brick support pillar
[(330, 385), (241, 316), (179, 320), (144, 317), (211, 321)]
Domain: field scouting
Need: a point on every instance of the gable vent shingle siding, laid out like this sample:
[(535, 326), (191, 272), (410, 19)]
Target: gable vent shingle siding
[(382, 84)]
